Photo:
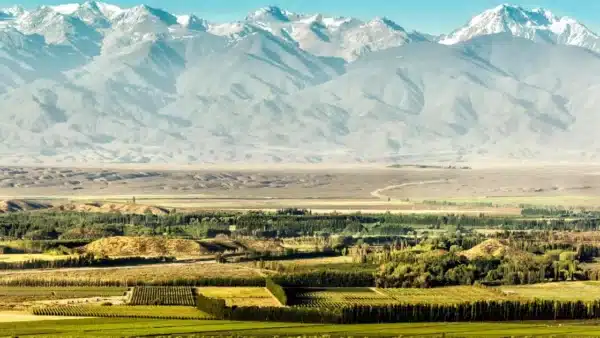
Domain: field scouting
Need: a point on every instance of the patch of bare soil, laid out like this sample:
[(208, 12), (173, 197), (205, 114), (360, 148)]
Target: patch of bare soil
[(21, 316), (145, 246), (123, 208)]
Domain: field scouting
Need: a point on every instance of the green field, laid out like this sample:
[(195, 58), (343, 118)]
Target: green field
[(120, 327), (585, 291), (446, 295), (337, 297), (163, 295), (165, 312)]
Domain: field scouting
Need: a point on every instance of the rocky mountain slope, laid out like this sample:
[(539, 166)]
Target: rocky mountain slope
[(93, 82)]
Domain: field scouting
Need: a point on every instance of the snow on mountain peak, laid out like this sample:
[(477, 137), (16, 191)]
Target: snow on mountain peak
[(11, 13), (192, 22), (537, 24), (106, 9), (271, 13)]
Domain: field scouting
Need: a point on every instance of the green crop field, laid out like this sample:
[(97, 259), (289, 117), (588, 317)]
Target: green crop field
[(161, 312), (446, 295), (168, 295), (337, 297), (585, 291), (124, 327)]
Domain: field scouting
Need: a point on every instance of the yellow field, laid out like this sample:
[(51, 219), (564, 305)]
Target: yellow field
[(585, 291), (129, 275), (446, 295), (241, 296), (12, 258)]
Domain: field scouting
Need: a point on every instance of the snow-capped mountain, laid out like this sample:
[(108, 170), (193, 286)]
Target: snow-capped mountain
[(348, 38), (539, 25), (93, 82)]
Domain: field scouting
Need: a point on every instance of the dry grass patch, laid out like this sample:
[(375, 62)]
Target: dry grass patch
[(145, 246), (124, 208), (13, 258), (241, 296)]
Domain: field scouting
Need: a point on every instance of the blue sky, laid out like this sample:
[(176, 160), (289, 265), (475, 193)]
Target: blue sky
[(431, 16)]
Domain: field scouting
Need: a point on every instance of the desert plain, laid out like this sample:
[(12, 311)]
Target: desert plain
[(361, 188)]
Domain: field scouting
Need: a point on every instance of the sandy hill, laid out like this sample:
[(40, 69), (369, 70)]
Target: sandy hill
[(161, 246), (20, 205), (493, 248), (145, 246), (114, 207)]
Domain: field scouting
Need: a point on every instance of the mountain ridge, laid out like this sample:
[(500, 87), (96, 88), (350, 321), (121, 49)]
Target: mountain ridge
[(95, 83)]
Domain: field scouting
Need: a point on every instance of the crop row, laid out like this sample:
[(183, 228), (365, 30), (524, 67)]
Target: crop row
[(163, 296), (149, 312)]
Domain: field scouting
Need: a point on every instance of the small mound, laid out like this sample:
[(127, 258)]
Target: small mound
[(145, 246), (20, 205), (489, 248), (115, 208)]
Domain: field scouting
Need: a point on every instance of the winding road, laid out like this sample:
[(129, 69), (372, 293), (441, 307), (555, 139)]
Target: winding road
[(379, 192)]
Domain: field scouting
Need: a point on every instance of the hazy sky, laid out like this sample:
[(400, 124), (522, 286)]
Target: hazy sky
[(432, 16)]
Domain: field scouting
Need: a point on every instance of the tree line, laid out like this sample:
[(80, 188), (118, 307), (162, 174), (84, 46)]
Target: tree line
[(86, 260)]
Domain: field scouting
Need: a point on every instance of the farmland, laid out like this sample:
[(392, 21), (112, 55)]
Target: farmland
[(446, 295), (271, 267), (338, 297), (585, 290), (128, 327), (241, 296), (23, 297), (149, 275), (125, 311), (156, 295)]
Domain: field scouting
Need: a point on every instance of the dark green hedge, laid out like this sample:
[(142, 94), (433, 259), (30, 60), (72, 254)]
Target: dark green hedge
[(326, 279), (475, 311), (277, 291), (219, 309)]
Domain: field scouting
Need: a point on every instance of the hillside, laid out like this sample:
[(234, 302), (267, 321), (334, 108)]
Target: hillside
[(20, 205), (493, 248), (113, 208), (161, 246), (103, 84)]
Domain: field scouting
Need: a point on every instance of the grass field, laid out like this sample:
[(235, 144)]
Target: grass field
[(446, 295), (122, 327), (164, 312), (586, 291), (129, 275), (241, 296)]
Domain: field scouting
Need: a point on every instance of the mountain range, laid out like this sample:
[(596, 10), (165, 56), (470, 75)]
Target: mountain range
[(96, 83)]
